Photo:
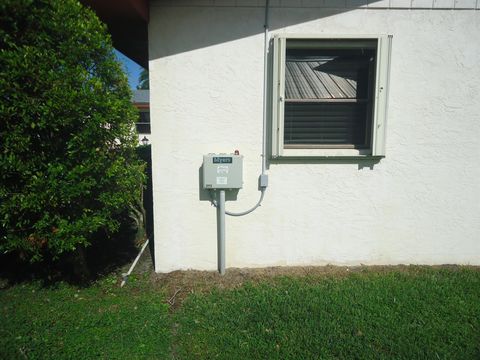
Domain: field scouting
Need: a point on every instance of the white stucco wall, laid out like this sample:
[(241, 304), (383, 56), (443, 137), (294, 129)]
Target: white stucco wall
[(420, 204)]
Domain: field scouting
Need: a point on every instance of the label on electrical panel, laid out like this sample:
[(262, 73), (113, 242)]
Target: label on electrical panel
[(222, 169), (221, 180), (222, 160)]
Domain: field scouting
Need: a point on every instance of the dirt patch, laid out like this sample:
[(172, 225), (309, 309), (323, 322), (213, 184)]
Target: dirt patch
[(179, 284)]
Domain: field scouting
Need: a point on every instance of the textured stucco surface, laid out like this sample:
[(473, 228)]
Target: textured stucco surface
[(420, 204)]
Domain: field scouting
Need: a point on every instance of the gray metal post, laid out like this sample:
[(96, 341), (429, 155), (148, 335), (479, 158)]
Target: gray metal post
[(221, 232)]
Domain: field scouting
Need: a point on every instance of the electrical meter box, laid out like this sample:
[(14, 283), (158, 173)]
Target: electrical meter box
[(222, 171)]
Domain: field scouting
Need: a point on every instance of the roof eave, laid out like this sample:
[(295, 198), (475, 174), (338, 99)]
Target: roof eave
[(127, 23)]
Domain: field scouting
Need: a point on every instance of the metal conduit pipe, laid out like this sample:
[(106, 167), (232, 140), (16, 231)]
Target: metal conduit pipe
[(221, 233), (265, 87), (259, 203)]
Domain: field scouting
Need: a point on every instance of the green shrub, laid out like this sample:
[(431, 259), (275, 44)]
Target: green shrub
[(67, 142)]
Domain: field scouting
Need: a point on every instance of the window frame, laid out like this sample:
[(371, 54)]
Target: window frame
[(139, 124), (380, 98)]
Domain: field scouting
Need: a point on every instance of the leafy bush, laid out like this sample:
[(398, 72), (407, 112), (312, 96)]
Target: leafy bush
[(67, 142)]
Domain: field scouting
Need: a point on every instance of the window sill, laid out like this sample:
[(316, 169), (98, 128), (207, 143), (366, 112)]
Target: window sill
[(327, 156), (328, 153)]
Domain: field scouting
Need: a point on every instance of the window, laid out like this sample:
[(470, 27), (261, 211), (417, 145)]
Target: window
[(143, 123), (330, 95)]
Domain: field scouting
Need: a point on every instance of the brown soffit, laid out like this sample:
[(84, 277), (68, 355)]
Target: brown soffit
[(127, 22)]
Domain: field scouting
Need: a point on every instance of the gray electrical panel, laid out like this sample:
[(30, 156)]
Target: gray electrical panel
[(222, 171)]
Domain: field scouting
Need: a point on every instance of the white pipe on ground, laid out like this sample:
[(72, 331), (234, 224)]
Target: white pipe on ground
[(125, 276)]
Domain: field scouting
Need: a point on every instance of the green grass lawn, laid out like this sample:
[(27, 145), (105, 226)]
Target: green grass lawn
[(99, 322), (409, 313), (420, 314)]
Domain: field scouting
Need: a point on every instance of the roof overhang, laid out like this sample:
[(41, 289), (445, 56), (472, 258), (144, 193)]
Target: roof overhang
[(127, 22)]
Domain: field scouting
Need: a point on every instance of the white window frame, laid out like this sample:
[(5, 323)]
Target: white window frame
[(377, 146)]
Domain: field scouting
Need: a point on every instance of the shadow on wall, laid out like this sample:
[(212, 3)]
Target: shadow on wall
[(197, 27), (214, 25)]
